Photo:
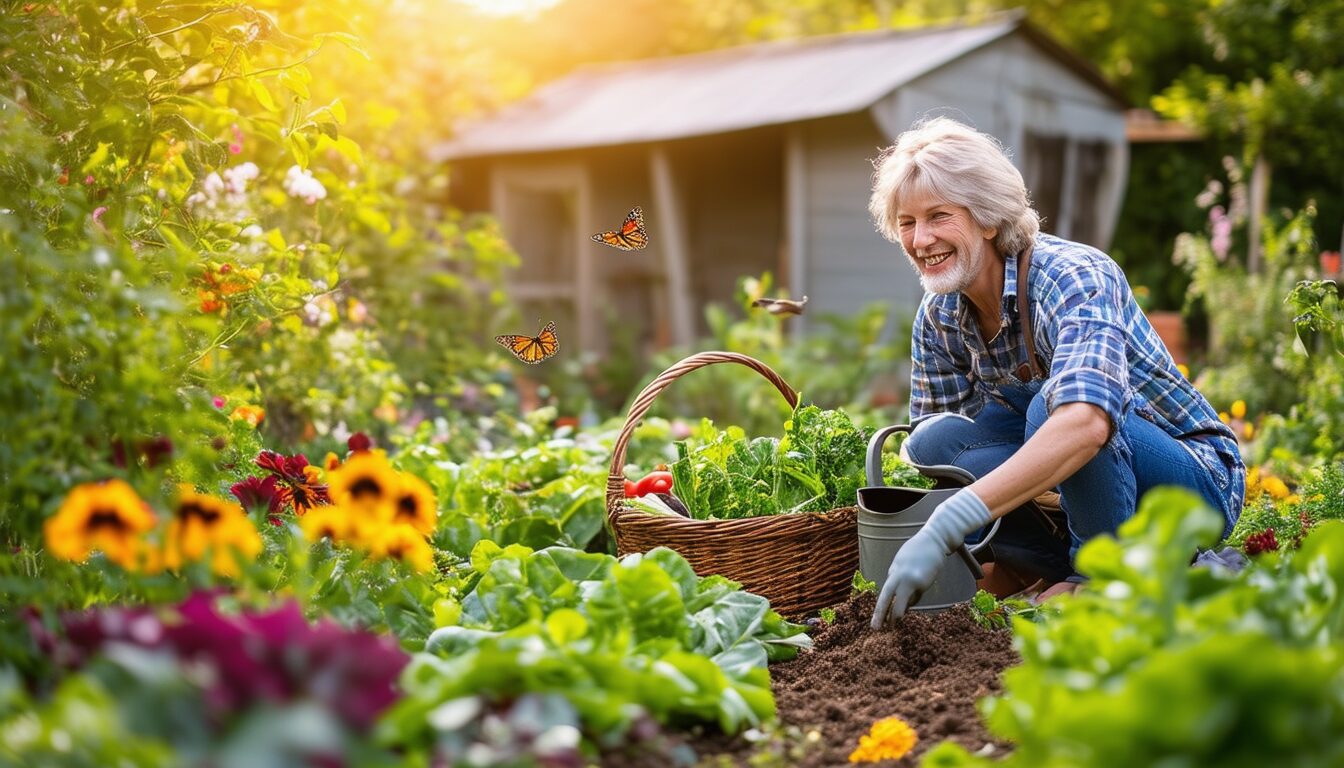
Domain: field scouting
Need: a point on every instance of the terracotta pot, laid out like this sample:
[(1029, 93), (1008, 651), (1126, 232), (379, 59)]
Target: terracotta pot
[(1170, 327)]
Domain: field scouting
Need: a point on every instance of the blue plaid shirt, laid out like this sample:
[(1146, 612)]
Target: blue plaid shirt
[(1097, 344)]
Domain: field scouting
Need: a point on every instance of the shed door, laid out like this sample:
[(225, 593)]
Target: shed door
[(539, 213)]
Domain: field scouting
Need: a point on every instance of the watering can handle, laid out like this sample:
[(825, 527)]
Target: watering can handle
[(873, 470), (873, 464)]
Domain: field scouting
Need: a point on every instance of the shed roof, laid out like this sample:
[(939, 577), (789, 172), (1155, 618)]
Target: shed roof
[(733, 89)]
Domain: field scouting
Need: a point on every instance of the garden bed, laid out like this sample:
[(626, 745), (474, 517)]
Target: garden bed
[(928, 670)]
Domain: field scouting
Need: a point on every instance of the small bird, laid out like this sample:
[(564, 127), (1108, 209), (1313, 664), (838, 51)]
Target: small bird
[(781, 306)]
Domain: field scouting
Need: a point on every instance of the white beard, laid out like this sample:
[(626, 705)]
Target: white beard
[(965, 267)]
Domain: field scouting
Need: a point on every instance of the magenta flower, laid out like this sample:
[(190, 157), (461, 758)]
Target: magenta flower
[(252, 658)]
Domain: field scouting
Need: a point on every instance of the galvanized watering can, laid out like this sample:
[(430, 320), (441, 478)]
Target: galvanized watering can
[(889, 516)]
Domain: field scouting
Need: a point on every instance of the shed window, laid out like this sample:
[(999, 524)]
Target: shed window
[(1062, 175)]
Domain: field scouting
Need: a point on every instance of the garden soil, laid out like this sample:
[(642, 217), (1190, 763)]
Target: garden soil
[(927, 669)]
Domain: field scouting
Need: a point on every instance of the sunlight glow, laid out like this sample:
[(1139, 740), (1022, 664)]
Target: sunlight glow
[(509, 7)]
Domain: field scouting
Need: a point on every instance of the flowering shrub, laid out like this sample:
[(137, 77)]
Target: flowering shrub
[(207, 674), (201, 228)]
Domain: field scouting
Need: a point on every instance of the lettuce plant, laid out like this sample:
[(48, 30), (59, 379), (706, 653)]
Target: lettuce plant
[(1158, 663)]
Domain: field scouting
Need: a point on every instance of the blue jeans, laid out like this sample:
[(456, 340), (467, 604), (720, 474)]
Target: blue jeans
[(1096, 499)]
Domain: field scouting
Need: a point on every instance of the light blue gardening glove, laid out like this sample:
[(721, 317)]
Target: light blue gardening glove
[(917, 561)]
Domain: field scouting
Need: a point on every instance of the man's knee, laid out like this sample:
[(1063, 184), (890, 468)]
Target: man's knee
[(937, 439)]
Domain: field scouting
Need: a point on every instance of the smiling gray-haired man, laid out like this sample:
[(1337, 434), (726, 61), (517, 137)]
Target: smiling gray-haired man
[(1083, 398)]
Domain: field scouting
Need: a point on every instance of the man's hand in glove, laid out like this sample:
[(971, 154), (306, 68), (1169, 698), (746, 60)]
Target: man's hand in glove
[(917, 562)]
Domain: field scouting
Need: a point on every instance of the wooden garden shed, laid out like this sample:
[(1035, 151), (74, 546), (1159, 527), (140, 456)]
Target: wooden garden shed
[(759, 158)]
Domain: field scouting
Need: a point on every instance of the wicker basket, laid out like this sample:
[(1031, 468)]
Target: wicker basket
[(801, 562)]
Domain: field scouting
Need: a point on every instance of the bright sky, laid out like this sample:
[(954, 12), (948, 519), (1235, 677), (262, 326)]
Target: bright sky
[(506, 7)]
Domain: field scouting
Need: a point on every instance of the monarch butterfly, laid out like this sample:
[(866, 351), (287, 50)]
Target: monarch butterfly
[(631, 236), (531, 349)]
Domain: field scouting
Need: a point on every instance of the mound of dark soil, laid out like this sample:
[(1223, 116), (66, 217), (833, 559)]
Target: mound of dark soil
[(927, 669)]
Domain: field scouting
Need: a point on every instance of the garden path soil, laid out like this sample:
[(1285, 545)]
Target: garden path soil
[(928, 670)]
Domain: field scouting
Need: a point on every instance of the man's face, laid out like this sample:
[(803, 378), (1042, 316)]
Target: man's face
[(943, 243)]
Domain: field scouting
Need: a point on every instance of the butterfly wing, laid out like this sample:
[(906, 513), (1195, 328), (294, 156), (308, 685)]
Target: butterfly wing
[(531, 349), (631, 236), (547, 341)]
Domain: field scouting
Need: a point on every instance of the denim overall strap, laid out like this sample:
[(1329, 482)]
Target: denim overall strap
[(1033, 368)]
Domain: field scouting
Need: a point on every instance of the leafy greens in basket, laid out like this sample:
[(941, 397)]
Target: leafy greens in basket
[(817, 465)]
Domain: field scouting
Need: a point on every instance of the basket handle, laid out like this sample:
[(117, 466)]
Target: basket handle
[(644, 401)]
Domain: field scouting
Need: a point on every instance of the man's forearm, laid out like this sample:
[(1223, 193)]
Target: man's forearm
[(1067, 440)]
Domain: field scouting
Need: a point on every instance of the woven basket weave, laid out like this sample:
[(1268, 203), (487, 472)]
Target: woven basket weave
[(801, 562)]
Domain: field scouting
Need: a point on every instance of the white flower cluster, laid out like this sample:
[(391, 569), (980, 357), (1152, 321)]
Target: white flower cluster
[(300, 183), (227, 194)]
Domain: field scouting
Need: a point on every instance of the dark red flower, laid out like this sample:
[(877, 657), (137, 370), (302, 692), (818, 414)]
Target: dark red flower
[(1263, 541), (359, 442), (255, 492), (285, 467), (297, 482)]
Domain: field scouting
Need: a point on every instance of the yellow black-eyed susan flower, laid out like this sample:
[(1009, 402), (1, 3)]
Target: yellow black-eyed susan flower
[(328, 521), (204, 525), (402, 542), (413, 504), (364, 483), (107, 516)]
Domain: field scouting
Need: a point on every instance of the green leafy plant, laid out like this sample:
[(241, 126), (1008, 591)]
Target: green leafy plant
[(993, 613), (863, 585), (618, 639), (1156, 662), (816, 466)]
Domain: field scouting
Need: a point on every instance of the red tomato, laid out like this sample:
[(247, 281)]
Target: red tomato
[(630, 489), (658, 481)]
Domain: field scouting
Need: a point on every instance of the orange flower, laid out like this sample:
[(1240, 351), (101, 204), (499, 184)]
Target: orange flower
[(210, 303), (889, 739), (252, 414)]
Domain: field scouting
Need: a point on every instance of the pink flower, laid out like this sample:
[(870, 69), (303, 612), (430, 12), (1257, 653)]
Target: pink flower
[(98, 215), (88, 180), (219, 401), (1221, 241), (235, 148)]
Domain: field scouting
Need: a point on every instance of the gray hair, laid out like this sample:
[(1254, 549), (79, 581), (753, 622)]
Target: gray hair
[(946, 159)]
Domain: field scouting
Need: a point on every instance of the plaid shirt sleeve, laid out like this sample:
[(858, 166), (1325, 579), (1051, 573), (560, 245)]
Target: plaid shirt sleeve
[(1084, 324), (938, 383)]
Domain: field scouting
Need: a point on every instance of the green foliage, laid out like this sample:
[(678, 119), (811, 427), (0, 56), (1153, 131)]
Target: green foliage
[(1320, 498), (1160, 663), (861, 584), (1273, 87), (992, 613), (616, 638), (1250, 356), (816, 466)]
